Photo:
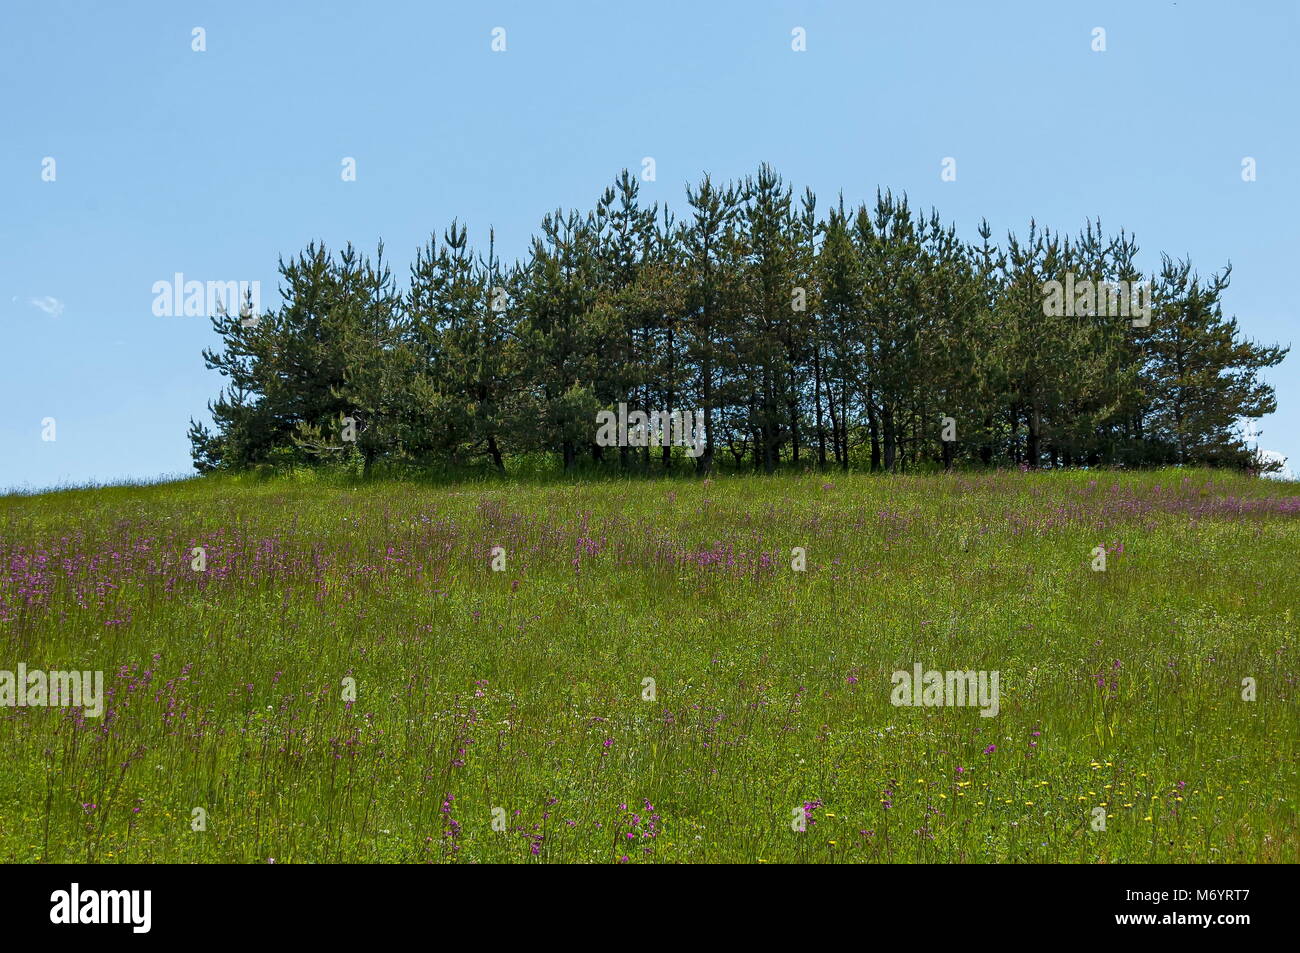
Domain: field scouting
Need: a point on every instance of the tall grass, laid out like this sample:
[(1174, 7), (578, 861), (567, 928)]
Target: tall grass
[(525, 689)]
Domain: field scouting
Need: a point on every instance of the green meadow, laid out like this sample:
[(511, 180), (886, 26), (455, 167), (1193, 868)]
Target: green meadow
[(311, 669)]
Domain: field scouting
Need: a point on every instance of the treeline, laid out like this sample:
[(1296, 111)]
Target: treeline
[(868, 337)]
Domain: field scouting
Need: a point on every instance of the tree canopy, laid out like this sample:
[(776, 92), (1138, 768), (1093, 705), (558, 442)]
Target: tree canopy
[(869, 337)]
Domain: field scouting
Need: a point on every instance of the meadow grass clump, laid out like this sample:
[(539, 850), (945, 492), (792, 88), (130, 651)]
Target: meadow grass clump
[(645, 678)]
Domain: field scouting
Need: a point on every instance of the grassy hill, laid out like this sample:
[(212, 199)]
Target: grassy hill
[(526, 689)]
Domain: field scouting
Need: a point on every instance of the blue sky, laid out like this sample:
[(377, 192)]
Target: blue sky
[(215, 163)]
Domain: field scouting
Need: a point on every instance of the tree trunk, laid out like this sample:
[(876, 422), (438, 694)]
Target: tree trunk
[(887, 423), (874, 425), (1034, 427)]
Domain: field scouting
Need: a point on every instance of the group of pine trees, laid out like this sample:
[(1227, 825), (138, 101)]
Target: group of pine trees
[(869, 337)]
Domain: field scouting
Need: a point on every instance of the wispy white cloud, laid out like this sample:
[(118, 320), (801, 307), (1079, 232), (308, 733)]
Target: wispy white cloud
[(1272, 456), (51, 306)]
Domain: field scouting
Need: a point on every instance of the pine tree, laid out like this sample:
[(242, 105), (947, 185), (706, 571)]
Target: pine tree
[(799, 336), (1201, 376)]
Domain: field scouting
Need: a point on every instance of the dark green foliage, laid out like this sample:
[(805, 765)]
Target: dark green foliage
[(859, 338)]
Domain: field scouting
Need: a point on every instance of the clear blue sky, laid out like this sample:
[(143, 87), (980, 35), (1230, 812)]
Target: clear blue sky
[(216, 163)]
